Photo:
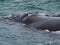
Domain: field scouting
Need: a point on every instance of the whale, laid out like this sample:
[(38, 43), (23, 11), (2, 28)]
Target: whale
[(38, 21)]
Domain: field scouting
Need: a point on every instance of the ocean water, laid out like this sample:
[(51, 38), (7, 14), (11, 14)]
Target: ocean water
[(14, 33), (13, 6)]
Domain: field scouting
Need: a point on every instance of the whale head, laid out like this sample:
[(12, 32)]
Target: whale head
[(19, 17)]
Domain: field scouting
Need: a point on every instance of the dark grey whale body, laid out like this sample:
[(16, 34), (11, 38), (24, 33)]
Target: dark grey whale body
[(44, 22), (38, 21)]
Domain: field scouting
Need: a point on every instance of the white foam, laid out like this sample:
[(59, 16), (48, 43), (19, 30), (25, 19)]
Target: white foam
[(57, 32)]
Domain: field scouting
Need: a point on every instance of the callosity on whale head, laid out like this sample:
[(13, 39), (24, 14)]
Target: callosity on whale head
[(18, 17)]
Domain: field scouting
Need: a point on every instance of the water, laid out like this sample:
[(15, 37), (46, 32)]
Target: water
[(13, 33), (13, 6)]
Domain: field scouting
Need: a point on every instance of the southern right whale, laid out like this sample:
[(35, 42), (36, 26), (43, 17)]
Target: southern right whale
[(37, 21)]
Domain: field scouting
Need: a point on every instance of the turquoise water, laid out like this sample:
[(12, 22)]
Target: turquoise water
[(13, 6), (13, 33)]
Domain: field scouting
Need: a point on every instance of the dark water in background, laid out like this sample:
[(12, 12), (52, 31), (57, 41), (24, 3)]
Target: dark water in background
[(13, 33)]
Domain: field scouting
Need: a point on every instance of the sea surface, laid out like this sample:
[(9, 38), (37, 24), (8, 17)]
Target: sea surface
[(14, 33)]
